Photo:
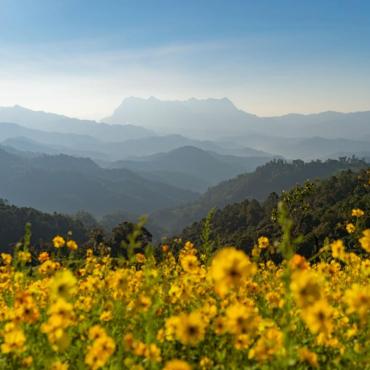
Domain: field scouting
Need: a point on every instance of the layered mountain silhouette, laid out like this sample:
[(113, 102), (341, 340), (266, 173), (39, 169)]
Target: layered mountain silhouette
[(52, 122), (66, 184), (151, 155), (34, 140), (191, 167), (215, 118)]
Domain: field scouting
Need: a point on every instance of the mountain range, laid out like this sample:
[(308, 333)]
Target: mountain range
[(142, 127), (219, 118), (190, 167), (52, 122), (67, 184), (153, 156)]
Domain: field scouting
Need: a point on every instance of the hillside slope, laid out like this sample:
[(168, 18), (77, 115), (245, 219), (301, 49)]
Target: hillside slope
[(43, 226), (319, 210), (67, 184), (275, 176), (193, 167)]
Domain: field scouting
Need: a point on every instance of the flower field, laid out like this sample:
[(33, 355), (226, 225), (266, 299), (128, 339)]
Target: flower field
[(192, 309)]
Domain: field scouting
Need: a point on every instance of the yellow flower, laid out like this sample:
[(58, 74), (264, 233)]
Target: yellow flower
[(205, 363), (14, 339), (351, 228), (140, 258), (99, 352), (337, 249), (358, 300), (263, 242), (143, 303), (357, 212), (269, 345), (96, 332), (25, 308), (318, 317), (243, 341), (190, 328), (189, 263), (306, 287), (241, 319), (177, 365), (153, 353), (229, 267), (171, 327), (307, 356), (59, 242), (72, 245), (298, 262), (365, 240), (24, 256), (43, 256), (63, 284), (27, 361), (106, 315), (274, 300), (7, 258)]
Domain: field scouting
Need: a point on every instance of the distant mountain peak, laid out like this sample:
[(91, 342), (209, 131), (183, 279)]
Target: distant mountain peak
[(196, 117)]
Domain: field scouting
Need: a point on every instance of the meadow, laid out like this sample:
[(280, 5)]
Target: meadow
[(188, 307)]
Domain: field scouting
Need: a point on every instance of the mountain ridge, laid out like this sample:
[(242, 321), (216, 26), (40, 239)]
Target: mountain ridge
[(215, 118)]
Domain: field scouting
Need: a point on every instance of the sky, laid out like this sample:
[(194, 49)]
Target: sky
[(270, 57)]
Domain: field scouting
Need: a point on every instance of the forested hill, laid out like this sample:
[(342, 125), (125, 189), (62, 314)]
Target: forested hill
[(275, 176), (319, 209), (44, 226)]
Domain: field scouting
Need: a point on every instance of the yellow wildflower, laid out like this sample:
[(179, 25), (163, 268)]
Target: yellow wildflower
[(306, 287), (337, 249), (308, 356), (63, 284), (177, 365), (351, 228), (7, 258), (318, 317), (190, 328), (99, 352), (357, 212), (189, 263), (229, 267), (358, 300), (14, 339), (72, 245), (263, 242), (365, 240), (59, 242)]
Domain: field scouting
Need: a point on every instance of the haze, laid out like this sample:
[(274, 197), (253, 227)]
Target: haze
[(270, 58)]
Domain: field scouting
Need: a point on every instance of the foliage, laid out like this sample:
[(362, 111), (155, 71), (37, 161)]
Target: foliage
[(319, 210), (276, 176), (44, 226)]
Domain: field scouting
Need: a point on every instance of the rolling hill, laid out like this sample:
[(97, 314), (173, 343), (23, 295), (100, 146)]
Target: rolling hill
[(66, 184), (319, 210), (276, 176), (43, 226), (190, 167)]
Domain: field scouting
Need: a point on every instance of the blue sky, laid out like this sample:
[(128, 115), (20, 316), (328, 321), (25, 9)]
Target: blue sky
[(82, 57)]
